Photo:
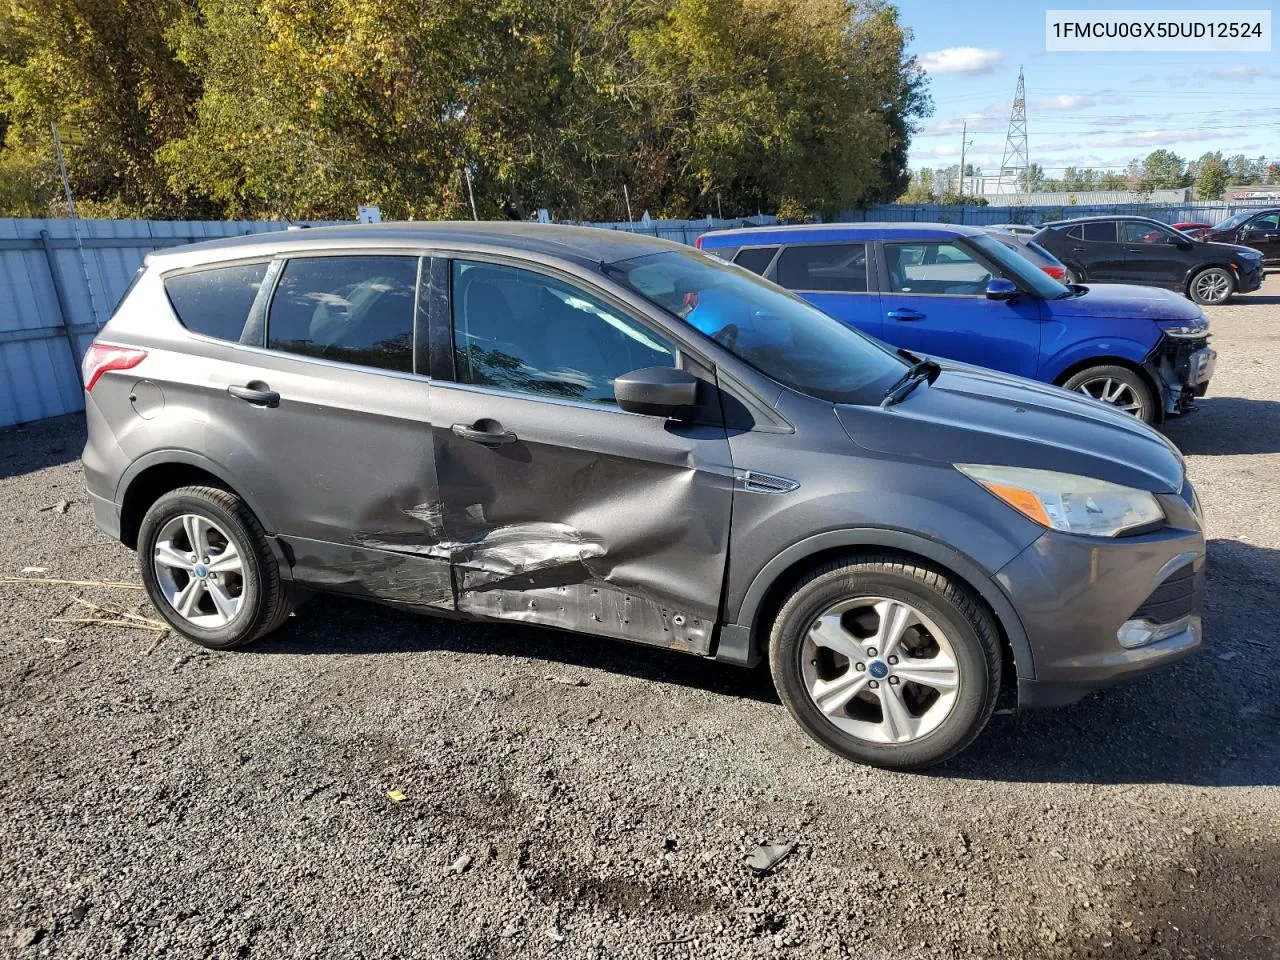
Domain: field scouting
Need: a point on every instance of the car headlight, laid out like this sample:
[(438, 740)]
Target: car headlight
[(1198, 328), (1066, 502)]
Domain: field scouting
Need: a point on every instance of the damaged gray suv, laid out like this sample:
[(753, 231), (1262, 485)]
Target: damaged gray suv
[(628, 438)]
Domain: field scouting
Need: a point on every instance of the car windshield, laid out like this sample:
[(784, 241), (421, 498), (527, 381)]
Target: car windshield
[(775, 332), (1232, 222), (1020, 269)]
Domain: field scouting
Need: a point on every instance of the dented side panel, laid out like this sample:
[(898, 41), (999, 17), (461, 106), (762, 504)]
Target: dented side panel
[(593, 520)]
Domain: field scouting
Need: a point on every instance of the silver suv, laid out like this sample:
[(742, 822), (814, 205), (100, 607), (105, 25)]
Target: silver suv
[(629, 438)]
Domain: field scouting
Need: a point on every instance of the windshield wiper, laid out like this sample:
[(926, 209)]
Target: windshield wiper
[(919, 372)]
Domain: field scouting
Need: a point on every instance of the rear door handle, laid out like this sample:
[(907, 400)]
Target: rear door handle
[(256, 393), (902, 313), (1079, 249), (494, 436)]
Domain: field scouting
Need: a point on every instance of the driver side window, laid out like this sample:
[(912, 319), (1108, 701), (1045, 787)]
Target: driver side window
[(935, 268), (522, 331)]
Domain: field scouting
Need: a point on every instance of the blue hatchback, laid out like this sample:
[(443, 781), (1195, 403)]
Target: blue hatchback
[(954, 292)]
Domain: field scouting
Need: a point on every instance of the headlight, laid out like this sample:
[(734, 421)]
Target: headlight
[(1063, 501), (1188, 330)]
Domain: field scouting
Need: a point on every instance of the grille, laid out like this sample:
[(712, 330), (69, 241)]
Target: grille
[(1174, 598)]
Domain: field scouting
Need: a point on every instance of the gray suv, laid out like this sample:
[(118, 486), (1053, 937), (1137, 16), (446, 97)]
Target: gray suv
[(625, 437)]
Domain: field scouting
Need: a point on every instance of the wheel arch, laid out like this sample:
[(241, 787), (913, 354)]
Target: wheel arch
[(1157, 393), (745, 641), (152, 476), (1200, 268)]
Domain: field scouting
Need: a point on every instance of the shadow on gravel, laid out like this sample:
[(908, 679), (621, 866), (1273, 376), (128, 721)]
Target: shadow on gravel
[(1209, 720), (45, 443), (336, 625), (1228, 425)]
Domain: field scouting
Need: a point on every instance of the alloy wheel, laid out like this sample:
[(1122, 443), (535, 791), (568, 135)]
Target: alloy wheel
[(1212, 286), (880, 670), (1119, 394), (199, 570)]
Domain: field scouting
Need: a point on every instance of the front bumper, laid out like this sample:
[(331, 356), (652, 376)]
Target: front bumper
[(1182, 369), (1074, 594), (1249, 277)]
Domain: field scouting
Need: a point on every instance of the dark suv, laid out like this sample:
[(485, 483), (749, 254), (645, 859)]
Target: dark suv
[(1140, 250), (1259, 229), (629, 438)]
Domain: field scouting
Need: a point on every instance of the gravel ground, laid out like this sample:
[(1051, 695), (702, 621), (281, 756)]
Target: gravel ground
[(572, 797)]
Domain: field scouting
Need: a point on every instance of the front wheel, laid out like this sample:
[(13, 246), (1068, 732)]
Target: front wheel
[(1118, 386), (1212, 286), (886, 662)]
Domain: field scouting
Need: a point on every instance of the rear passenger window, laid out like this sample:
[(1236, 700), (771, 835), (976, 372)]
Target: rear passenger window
[(839, 267), (1100, 232), (215, 302), (756, 259), (348, 309)]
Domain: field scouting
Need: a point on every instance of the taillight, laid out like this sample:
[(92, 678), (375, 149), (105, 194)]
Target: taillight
[(1058, 273), (101, 357), (697, 244)]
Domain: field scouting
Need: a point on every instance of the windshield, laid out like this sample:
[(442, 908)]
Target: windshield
[(779, 334), (1232, 222), (1018, 268)]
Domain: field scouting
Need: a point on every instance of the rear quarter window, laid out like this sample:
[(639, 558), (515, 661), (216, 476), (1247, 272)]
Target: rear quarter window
[(215, 302)]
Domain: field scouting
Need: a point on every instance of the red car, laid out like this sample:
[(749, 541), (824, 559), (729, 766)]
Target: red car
[(1192, 225)]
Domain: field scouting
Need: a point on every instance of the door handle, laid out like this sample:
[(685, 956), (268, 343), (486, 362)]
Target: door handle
[(1079, 249), (902, 313), (256, 393), (495, 436)]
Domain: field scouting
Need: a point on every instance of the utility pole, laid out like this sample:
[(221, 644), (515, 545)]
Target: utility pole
[(626, 195), (470, 196), (75, 222), (964, 132)]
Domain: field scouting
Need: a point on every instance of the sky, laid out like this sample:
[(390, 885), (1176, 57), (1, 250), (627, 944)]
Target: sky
[(1084, 109)]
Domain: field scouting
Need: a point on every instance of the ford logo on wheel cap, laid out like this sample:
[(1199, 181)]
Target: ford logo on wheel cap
[(878, 669)]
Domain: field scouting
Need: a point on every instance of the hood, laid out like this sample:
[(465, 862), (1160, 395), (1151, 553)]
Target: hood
[(1122, 301), (973, 415)]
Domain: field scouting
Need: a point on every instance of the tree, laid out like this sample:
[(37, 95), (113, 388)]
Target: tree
[(1162, 170), (1211, 177), (1112, 181), (1031, 180)]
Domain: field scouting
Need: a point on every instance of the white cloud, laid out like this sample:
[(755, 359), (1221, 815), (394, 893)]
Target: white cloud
[(1076, 101), (1240, 72), (963, 60)]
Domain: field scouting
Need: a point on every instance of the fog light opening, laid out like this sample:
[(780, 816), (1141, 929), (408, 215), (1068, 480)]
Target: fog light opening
[(1140, 633)]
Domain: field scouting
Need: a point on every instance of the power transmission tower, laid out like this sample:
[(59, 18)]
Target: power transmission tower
[(1015, 161)]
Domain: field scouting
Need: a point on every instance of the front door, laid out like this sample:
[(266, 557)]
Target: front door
[(559, 508), (1263, 233), (322, 417), (933, 300), (1152, 255)]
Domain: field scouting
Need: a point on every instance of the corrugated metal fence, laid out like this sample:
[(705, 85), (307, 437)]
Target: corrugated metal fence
[(1022, 213), (57, 289)]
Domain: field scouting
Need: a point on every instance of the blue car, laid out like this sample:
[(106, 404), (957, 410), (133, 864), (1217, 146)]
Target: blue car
[(954, 292)]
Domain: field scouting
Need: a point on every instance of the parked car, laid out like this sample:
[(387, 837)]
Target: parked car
[(625, 437), (1187, 226), (957, 292), (1017, 229), (1259, 229), (1143, 251), (1031, 251)]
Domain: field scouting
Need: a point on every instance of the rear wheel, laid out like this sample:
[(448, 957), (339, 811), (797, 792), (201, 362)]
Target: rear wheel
[(208, 568), (1212, 286), (1118, 386), (886, 662)]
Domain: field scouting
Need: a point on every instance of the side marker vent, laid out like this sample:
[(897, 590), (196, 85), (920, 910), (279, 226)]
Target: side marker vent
[(767, 483)]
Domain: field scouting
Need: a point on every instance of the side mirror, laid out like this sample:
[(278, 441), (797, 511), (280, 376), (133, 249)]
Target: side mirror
[(656, 391), (1001, 289)]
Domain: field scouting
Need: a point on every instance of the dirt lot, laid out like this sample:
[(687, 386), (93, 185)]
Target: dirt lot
[(158, 800)]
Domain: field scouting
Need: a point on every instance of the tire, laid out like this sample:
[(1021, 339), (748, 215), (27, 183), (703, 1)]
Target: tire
[(1071, 277), (249, 579), (1212, 286), (1129, 392), (939, 603)]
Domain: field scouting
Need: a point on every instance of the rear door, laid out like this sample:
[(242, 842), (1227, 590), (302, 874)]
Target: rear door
[(933, 300), (558, 507), (320, 414), (836, 278), (1095, 247)]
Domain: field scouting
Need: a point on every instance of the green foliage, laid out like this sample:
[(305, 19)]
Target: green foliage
[(1162, 170), (304, 108), (1211, 179)]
